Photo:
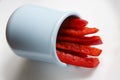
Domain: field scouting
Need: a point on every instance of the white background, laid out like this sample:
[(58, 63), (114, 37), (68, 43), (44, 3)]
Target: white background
[(103, 14)]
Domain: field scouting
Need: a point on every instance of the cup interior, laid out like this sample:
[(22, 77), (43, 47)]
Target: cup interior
[(57, 34)]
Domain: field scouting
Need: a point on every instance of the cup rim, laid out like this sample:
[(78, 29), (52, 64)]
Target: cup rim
[(55, 33)]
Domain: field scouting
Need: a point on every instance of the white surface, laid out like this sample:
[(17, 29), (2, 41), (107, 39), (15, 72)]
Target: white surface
[(101, 13)]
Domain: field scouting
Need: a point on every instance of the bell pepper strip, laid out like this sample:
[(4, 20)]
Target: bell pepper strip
[(74, 47), (94, 40), (74, 23), (77, 61), (73, 53), (77, 33), (81, 49)]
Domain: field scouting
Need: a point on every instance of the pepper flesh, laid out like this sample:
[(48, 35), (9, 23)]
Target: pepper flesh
[(77, 61), (94, 40), (74, 47), (81, 49), (74, 23), (78, 33)]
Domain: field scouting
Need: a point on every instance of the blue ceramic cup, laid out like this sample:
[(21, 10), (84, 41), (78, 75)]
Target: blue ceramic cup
[(32, 30)]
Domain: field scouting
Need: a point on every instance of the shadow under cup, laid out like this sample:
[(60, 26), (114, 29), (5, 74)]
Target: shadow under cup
[(32, 31)]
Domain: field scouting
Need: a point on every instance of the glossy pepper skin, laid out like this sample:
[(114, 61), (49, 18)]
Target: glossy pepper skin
[(80, 49), (78, 33), (74, 47), (83, 40), (74, 23), (77, 61)]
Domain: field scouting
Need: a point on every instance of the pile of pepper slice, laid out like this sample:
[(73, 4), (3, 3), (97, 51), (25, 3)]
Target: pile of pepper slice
[(74, 47)]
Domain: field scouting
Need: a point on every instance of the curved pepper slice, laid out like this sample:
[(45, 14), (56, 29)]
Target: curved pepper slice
[(77, 61), (73, 52), (94, 40), (78, 33), (74, 23), (81, 49)]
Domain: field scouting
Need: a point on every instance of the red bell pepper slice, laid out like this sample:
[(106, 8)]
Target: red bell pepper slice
[(74, 23), (94, 40), (77, 61), (77, 33), (81, 49), (73, 53)]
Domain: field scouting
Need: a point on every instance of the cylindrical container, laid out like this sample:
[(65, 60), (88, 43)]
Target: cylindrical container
[(32, 31)]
